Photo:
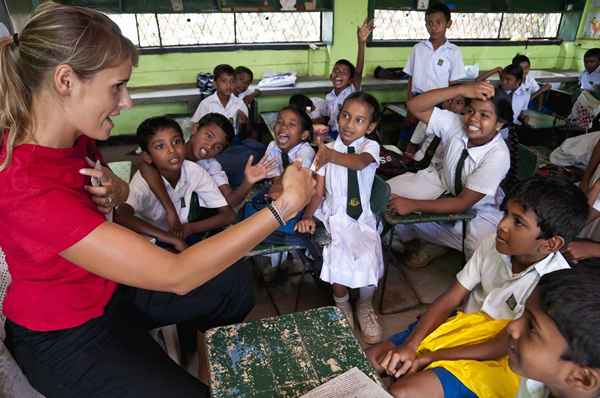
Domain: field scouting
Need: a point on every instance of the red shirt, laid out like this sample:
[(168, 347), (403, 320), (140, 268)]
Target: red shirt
[(43, 211)]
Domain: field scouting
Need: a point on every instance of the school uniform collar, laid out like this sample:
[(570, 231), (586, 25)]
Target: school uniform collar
[(181, 183), (214, 98), (597, 70), (552, 262), (347, 91), (291, 153), (476, 153), (445, 44), (341, 147)]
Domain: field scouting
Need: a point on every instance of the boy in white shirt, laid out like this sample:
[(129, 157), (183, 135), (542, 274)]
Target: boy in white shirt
[(223, 101), (435, 62), (529, 84), (241, 85), (542, 215), (555, 345), (199, 204), (590, 77)]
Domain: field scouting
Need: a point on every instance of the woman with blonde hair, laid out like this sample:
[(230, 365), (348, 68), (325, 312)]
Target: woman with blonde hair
[(85, 290)]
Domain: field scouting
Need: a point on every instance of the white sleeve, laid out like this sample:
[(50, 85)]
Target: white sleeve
[(535, 87), (457, 69), (418, 135), (207, 189), (444, 124), (489, 174), (307, 154), (410, 62), (372, 148), (215, 170), (470, 276), (200, 111), (139, 192), (243, 107)]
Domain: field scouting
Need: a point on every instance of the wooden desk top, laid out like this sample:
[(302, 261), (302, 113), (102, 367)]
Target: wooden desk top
[(285, 356)]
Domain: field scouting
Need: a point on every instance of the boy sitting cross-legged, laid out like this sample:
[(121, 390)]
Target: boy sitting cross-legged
[(554, 346), (439, 355), (200, 205)]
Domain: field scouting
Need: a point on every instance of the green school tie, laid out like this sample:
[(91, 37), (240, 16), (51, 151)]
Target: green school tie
[(353, 206), (285, 160), (458, 187)]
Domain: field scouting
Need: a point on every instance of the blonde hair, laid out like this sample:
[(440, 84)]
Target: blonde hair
[(56, 34)]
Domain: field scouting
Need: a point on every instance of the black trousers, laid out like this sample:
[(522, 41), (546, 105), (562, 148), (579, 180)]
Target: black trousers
[(114, 355)]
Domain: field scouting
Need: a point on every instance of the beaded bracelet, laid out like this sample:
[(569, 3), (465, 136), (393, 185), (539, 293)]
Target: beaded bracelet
[(276, 213)]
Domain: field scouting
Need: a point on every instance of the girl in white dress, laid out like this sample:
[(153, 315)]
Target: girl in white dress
[(345, 173)]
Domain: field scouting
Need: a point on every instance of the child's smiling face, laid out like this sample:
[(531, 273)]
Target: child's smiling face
[(241, 83), (341, 77), (288, 130), (481, 123), (208, 141)]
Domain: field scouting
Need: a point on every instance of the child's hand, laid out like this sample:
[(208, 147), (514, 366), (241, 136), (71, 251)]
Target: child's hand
[(259, 171), (478, 90), (179, 245), (320, 129), (275, 191), (402, 205), (324, 155), (175, 226), (398, 361), (107, 190), (579, 250), (363, 31), (306, 226)]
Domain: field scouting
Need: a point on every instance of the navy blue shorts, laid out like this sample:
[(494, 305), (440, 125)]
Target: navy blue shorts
[(453, 387)]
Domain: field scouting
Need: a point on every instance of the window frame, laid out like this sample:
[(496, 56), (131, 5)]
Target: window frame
[(498, 42), (259, 46)]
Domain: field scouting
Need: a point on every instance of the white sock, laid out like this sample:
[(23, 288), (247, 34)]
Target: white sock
[(366, 294), (341, 300)]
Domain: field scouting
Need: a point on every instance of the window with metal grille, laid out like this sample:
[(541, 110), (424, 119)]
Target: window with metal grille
[(164, 30), (410, 25)]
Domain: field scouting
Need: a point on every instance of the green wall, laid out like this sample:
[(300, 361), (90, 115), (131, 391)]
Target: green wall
[(181, 68)]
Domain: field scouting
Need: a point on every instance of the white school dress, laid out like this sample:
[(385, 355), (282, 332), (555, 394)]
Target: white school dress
[(353, 258), (333, 105)]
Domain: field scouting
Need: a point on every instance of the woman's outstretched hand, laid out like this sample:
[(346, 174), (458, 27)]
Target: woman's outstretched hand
[(298, 189), (107, 190)]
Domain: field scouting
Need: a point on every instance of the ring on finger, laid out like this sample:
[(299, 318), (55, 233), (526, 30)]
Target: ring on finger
[(108, 201)]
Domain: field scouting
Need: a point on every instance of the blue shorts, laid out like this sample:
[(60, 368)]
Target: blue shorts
[(453, 387)]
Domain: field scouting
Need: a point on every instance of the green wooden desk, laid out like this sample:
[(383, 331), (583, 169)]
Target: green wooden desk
[(539, 120), (285, 356)]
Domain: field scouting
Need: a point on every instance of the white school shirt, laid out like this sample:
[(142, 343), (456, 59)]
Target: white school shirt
[(431, 68), (529, 388), (212, 104), (193, 179), (215, 170), (484, 168), (530, 84), (333, 105), (244, 94), (301, 150), (589, 80), (494, 288), (520, 101), (354, 257)]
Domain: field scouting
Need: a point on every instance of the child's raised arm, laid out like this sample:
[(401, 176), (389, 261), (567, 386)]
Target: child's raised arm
[(422, 105), (252, 175), (486, 75), (362, 34), (152, 177), (400, 360)]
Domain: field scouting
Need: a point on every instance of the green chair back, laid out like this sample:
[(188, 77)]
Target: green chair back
[(380, 195), (527, 163)]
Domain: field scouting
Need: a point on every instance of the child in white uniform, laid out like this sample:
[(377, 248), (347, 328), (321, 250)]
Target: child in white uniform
[(346, 170), (473, 148)]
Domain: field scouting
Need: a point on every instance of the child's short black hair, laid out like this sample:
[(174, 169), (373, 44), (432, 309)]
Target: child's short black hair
[(220, 121), (438, 7), (305, 120), (503, 108), (223, 69), (301, 101), (514, 70), (369, 100), (520, 58), (348, 64), (592, 53), (149, 127), (571, 298), (242, 69), (561, 208)]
